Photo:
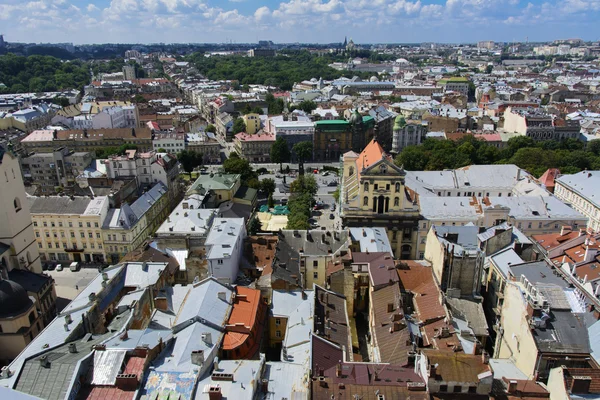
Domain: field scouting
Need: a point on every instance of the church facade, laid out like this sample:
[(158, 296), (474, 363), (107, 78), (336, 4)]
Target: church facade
[(373, 193)]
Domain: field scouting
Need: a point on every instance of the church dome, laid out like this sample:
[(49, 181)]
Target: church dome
[(373, 79), (399, 122), (13, 299), (356, 118)]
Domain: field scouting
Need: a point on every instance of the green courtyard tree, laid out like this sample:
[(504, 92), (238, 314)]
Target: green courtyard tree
[(304, 152), (239, 126), (280, 152)]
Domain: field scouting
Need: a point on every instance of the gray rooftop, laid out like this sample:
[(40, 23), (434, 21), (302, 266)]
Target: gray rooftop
[(565, 332), (537, 272), (471, 312), (316, 242), (585, 183), (59, 205)]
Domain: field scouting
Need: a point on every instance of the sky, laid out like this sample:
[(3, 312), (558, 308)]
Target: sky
[(315, 21)]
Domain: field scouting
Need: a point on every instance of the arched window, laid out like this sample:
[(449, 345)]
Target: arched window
[(366, 186), (397, 187), (17, 204), (351, 171), (31, 317), (396, 201), (365, 201)]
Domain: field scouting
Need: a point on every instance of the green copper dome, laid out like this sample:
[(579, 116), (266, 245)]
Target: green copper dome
[(356, 118), (399, 122)]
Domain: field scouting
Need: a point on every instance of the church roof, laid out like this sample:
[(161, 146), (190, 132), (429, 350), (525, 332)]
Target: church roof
[(370, 155)]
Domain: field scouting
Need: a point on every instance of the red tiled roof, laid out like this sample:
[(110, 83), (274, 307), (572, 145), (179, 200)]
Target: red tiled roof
[(371, 154), (242, 318), (547, 179), (135, 365), (110, 392)]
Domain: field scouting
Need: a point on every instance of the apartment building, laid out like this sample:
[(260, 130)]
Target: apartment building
[(455, 84), (69, 228), (538, 125), (579, 190), (204, 143), (254, 147), (252, 122), (127, 227), (87, 140), (170, 142), (407, 133), (48, 171), (224, 248), (147, 168)]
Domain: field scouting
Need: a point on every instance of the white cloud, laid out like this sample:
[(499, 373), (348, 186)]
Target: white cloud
[(405, 7), (92, 8), (262, 13)]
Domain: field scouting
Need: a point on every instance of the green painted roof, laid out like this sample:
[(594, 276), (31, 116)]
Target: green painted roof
[(216, 181), (332, 122)]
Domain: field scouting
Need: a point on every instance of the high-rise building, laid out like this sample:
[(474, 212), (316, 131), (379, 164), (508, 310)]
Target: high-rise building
[(2, 44), (129, 72)]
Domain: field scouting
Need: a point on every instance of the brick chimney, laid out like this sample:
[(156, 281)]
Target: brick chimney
[(214, 393), (512, 386), (126, 381)]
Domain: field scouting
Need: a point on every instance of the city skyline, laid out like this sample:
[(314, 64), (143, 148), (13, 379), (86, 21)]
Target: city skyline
[(308, 21)]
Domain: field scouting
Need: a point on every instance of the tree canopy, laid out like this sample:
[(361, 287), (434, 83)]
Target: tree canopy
[(239, 126), (189, 160), (536, 157), (39, 73), (280, 152)]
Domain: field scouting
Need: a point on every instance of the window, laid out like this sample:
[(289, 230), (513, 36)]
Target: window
[(92, 245), (17, 204), (220, 262), (89, 224), (95, 225), (396, 201), (100, 246), (539, 225), (62, 234), (97, 235), (49, 245), (40, 245), (72, 234), (365, 201), (124, 238), (423, 240), (64, 245), (70, 224), (448, 194), (47, 234), (82, 234), (376, 186), (37, 234), (80, 224), (45, 224), (387, 187), (443, 388), (315, 275), (457, 389), (60, 224), (35, 223), (421, 255), (315, 263), (278, 334), (472, 389), (529, 225), (52, 224), (366, 186), (85, 245), (398, 188), (277, 321)]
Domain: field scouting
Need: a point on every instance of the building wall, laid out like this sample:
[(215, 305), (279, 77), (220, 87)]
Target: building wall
[(516, 342), (434, 253), (252, 122), (315, 267), (71, 232), (579, 203), (275, 340), (17, 333), (15, 220), (514, 122), (556, 385)]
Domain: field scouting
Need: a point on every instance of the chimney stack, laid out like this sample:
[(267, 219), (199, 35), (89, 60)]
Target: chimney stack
[(197, 357), (214, 393), (512, 386)]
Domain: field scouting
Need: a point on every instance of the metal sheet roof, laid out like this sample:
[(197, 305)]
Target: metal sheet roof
[(107, 365)]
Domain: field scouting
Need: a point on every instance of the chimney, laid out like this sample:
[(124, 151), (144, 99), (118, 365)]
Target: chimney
[(207, 338), (68, 319), (390, 307), (104, 276), (160, 303), (432, 370), (127, 382), (265, 386), (485, 357), (92, 296), (214, 393), (580, 384), (6, 373), (197, 357), (512, 386), (590, 253), (72, 347), (44, 362), (216, 364), (124, 336)]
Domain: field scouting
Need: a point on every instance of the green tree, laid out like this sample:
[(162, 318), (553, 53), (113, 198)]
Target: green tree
[(254, 226), (307, 106), (303, 151), (489, 69), (304, 184), (280, 152), (257, 110), (161, 150), (594, 147), (138, 98), (239, 126), (239, 166), (61, 101), (270, 201), (189, 160), (211, 128), (267, 185)]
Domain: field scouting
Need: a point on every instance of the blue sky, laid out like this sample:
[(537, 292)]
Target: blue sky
[(398, 21)]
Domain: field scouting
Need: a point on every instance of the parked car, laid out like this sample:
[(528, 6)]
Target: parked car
[(331, 216), (44, 267), (74, 267), (59, 267), (332, 208), (51, 265), (332, 183)]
